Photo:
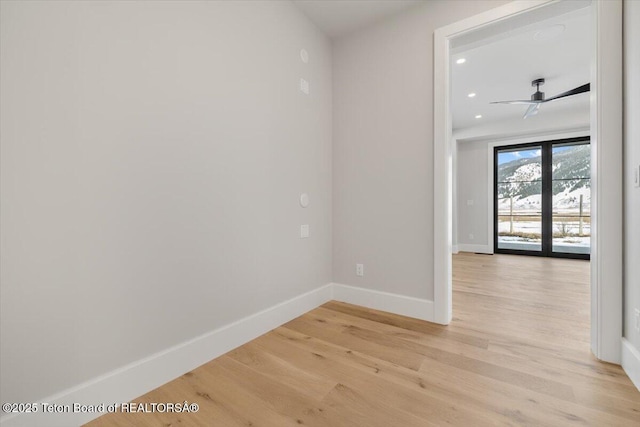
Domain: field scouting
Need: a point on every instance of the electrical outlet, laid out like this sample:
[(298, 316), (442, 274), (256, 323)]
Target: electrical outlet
[(636, 313), (636, 177), (360, 270), (304, 231), (471, 236)]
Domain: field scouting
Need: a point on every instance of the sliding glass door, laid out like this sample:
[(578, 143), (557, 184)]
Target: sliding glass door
[(542, 198)]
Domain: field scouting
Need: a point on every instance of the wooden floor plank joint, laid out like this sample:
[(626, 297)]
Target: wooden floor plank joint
[(516, 353)]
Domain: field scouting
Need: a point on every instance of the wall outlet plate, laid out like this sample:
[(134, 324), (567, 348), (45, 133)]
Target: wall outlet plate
[(304, 231), (360, 270)]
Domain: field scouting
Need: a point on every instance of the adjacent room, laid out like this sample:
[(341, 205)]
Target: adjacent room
[(513, 154), (326, 213)]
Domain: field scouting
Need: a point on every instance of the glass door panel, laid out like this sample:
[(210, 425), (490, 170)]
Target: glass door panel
[(519, 199), (542, 198), (571, 207)]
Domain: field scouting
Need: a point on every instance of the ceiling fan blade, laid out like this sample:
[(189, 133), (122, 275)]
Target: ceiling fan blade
[(531, 111), (516, 102), (576, 91)]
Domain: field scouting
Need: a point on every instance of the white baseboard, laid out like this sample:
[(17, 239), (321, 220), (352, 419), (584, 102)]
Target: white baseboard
[(481, 249), (138, 378), (142, 376), (631, 362), (384, 301)]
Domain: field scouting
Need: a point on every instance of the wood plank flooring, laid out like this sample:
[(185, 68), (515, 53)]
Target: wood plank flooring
[(515, 354)]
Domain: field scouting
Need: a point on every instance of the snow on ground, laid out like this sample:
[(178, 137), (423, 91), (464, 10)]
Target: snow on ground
[(531, 204), (570, 200), (565, 202), (534, 227), (528, 172)]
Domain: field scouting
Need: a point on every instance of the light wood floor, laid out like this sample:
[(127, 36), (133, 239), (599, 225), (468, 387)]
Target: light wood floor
[(516, 353)]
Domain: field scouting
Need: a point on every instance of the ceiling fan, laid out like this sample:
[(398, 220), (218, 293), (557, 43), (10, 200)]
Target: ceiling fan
[(538, 98)]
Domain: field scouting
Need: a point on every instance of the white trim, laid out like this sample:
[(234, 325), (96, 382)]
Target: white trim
[(490, 207), (454, 195), (606, 181), (631, 362), (442, 161), (606, 126), (508, 139), (480, 249), (138, 378), (442, 188), (384, 301)]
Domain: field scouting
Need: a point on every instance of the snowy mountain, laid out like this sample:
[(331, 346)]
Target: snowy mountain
[(521, 179)]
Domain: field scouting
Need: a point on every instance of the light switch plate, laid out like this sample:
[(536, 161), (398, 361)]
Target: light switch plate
[(304, 231), (304, 56), (304, 86), (304, 200), (636, 177)]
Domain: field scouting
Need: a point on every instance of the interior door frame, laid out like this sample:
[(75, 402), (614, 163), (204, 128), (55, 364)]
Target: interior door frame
[(606, 164), (546, 214)]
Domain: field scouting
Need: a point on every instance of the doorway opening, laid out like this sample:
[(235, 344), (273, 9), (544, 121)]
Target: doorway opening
[(606, 148), (542, 199)]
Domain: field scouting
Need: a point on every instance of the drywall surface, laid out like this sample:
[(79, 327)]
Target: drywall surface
[(383, 149), (632, 163), (153, 154), (473, 192)]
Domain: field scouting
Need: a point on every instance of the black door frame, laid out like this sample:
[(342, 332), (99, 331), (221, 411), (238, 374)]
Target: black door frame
[(546, 148)]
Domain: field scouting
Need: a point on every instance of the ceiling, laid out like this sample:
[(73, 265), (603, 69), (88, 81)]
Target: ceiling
[(337, 18), (502, 68), (501, 61)]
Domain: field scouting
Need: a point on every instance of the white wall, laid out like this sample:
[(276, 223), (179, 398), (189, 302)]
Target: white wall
[(152, 158), (383, 149), (472, 185), (632, 161)]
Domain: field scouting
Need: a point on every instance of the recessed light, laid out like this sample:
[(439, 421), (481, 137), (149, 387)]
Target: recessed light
[(471, 95), (461, 61), (479, 116)]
